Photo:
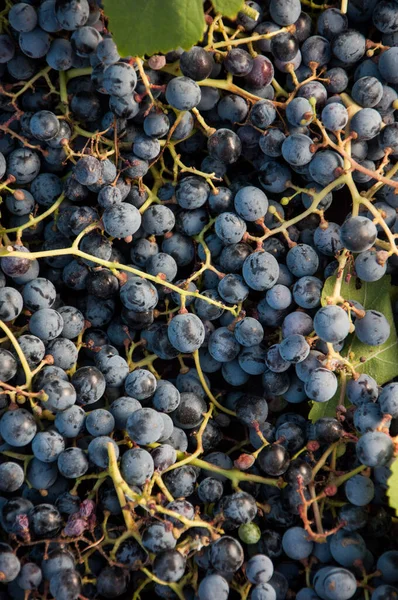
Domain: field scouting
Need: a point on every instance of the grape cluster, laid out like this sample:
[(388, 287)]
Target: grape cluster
[(178, 235)]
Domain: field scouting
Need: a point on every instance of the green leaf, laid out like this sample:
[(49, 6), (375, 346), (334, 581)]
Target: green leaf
[(147, 27), (380, 362), (229, 8), (392, 487), (325, 409)]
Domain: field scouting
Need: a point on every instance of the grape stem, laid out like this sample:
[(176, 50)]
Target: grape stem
[(21, 355), (74, 251), (206, 388)]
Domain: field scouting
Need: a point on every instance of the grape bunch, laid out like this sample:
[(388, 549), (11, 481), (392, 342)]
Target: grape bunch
[(198, 271)]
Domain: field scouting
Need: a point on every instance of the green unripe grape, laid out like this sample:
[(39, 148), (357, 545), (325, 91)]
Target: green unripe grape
[(249, 533)]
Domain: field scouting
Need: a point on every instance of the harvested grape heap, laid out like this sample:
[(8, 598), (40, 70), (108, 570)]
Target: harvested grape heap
[(198, 263)]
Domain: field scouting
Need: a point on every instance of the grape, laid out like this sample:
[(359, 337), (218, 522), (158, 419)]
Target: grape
[(18, 427), (331, 323), (285, 13), (271, 142), (7, 48), (263, 114), (296, 149), (41, 475), (122, 408), (238, 62), (328, 240), (384, 590), (260, 271), (70, 422), (307, 292), (374, 449), (388, 400), (30, 576), (274, 360), (337, 80), (9, 563), (156, 124), (373, 329), (146, 147), (359, 490), (387, 65), (321, 385), (192, 192), (157, 538), (335, 583), (44, 125), (140, 384), (137, 466), (226, 554), (189, 412), (251, 203), (186, 332), (294, 348), (316, 49), (169, 566), (11, 477), (183, 93), (332, 22), (358, 234), (274, 460), (302, 260), (66, 585), (334, 117), (85, 40), (145, 426), (47, 445), (213, 585), (387, 565), (210, 490), (230, 228), (248, 332), (72, 14), (296, 544), (72, 463), (24, 165), (385, 17), (299, 112), (35, 43), (64, 353), (284, 46), (232, 108), (22, 17), (46, 324), (225, 146), (325, 166), (158, 220), (196, 63), (347, 547), (274, 176)]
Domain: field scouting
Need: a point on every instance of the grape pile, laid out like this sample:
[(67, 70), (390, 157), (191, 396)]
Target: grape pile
[(197, 253)]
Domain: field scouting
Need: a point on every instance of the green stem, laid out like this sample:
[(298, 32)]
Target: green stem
[(206, 387), (37, 219), (338, 481), (233, 475), (18, 350), (63, 90), (72, 73), (112, 265)]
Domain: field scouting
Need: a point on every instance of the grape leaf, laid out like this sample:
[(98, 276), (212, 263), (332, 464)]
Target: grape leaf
[(392, 487), (229, 8), (325, 409), (380, 362), (144, 27)]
